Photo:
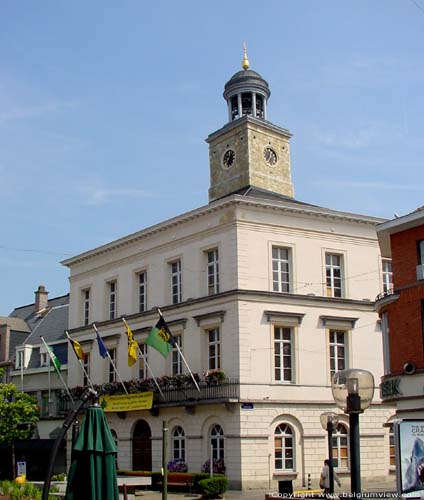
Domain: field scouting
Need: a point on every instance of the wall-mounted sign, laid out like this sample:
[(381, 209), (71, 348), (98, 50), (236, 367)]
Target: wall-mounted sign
[(247, 406), (390, 388), (127, 402), (409, 440)]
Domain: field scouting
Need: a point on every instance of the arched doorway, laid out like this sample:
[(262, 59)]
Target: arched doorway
[(142, 446)]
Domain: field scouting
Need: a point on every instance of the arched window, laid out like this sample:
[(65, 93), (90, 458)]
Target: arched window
[(178, 443), (284, 447), (341, 447), (217, 442)]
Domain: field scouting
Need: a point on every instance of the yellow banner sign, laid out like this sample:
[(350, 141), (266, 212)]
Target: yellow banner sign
[(127, 402)]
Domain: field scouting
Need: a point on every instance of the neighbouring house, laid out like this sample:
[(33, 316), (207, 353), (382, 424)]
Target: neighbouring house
[(28, 366)]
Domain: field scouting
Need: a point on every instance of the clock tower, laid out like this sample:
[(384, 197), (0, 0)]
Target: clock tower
[(249, 151)]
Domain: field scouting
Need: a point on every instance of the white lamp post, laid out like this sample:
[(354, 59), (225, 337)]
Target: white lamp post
[(353, 391), (329, 421)]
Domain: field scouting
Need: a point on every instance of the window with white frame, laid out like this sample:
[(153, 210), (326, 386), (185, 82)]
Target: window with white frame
[(213, 271), (142, 362), (338, 351), (284, 447), (177, 367), (86, 372), (142, 291), (112, 299), (387, 276), (217, 442), (86, 306), (178, 443), (283, 354), (214, 349), (333, 272), (176, 282), (44, 359), (111, 371), (281, 269), (340, 447), (19, 359)]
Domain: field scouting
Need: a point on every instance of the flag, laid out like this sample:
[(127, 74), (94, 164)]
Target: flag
[(102, 347), (160, 338), (76, 346), (132, 346), (55, 361)]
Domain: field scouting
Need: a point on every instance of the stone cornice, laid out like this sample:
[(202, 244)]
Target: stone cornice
[(236, 294)]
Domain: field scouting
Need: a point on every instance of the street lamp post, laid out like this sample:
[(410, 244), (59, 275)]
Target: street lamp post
[(353, 391), (329, 421)]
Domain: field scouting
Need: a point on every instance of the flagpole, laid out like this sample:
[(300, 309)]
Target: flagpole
[(58, 372), (182, 357), (145, 360), (50, 389), (112, 363), (188, 368), (151, 373), (82, 365)]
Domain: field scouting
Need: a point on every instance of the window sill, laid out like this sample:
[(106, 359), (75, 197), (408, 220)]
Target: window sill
[(342, 472), (285, 474)]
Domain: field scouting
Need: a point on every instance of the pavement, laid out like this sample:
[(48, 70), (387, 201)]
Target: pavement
[(371, 490)]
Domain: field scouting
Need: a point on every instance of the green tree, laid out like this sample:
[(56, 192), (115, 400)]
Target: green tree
[(18, 416)]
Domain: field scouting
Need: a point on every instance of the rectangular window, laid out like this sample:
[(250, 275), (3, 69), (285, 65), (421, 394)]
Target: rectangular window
[(283, 354), (281, 269), (142, 367), (177, 366), (142, 291), (44, 359), (112, 299), (176, 284), (333, 271), (111, 371), (86, 364), (387, 276), (213, 271), (337, 351), (214, 349), (19, 359), (420, 250), (86, 306)]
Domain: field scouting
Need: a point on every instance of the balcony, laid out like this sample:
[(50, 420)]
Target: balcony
[(226, 391), (57, 408), (385, 298)]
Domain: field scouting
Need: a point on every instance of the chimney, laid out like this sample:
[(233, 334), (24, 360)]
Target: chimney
[(41, 298)]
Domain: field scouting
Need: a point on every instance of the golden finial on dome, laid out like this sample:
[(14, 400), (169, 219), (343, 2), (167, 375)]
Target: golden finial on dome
[(245, 63)]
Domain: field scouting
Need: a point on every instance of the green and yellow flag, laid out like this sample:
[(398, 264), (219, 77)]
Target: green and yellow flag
[(55, 361), (160, 338)]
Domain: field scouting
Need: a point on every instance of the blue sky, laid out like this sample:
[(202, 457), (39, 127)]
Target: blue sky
[(104, 108)]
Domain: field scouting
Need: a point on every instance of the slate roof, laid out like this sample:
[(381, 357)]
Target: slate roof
[(28, 312), (51, 326), (16, 324)]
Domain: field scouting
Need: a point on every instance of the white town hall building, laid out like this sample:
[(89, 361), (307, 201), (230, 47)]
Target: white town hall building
[(276, 293)]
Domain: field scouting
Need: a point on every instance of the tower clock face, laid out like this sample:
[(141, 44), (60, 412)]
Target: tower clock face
[(229, 158), (270, 156)]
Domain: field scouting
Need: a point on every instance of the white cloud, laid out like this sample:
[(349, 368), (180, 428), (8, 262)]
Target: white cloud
[(369, 185), (18, 113), (101, 196)]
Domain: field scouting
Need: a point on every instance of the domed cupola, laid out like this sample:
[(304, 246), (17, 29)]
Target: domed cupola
[(246, 93)]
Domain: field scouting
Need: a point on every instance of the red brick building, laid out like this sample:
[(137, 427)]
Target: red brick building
[(401, 310)]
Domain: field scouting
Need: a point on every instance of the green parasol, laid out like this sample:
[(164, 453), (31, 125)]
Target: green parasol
[(92, 475)]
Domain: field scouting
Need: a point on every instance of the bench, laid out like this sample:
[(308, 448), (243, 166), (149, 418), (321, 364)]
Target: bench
[(178, 479), (131, 483)]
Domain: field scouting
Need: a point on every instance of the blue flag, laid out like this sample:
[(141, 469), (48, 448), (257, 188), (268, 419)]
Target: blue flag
[(102, 347)]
